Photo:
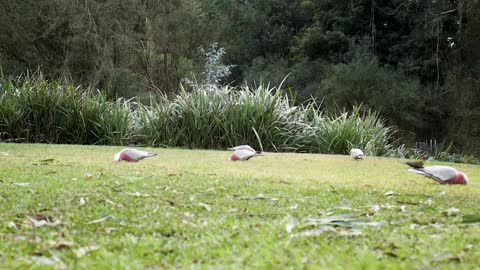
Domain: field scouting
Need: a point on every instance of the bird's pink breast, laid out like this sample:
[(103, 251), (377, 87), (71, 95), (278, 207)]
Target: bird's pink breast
[(124, 156), (459, 179)]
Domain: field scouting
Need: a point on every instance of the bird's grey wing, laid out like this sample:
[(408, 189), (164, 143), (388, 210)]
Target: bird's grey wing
[(134, 154), (441, 172), (254, 155), (420, 171)]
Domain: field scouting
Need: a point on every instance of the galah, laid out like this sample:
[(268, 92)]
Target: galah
[(444, 175), (132, 155), (356, 153), (243, 154), (242, 147)]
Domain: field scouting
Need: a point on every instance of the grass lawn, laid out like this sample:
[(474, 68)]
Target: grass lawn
[(198, 210)]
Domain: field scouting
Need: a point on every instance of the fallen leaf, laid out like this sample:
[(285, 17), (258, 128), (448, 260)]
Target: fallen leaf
[(414, 226), (115, 204), (292, 222), (131, 177), (189, 223), (100, 219), (11, 225), (441, 194), (452, 212), (403, 208), (449, 257), (293, 207), (40, 220), (84, 250), (88, 176), (24, 184), (109, 230), (60, 244), (389, 193), (315, 232), (186, 216), (43, 260), (258, 197), (427, 202), (137, 194), (351, 232), (206, 206)]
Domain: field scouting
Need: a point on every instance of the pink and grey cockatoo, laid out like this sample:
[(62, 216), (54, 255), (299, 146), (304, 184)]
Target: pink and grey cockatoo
[(132, 155), (242, 147), (444, 175), (356, 153), (243, 154)]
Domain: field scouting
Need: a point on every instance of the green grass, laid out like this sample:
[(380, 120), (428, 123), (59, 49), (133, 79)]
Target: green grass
[(197, 210)]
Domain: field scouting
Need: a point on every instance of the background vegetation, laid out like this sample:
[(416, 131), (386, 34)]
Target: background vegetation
[(37, 110), (417, 63)]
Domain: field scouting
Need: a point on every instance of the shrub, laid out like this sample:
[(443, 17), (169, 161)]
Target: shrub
[(38, 110), (44, 111)]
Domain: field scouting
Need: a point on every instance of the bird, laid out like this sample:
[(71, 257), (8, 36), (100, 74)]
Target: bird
[(132, 155), (244, 154), (356, 153), (242, 147), (444, 175)]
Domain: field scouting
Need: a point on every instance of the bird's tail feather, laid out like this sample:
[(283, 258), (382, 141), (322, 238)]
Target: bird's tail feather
[(415, 163)]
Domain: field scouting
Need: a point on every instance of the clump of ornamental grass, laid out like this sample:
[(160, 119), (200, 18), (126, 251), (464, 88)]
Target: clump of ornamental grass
[(356, 129), (37, 110)]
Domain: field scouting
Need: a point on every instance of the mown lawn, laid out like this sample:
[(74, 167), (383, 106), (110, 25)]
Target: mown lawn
[(197, 210)]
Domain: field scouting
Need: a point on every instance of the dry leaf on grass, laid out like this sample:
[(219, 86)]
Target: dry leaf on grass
[(100, 219), (206, 206), (137, 194), (24, 184), (114, 204), (452, 212), (62, 244), (39, 220), (389, 193), (84, 250)]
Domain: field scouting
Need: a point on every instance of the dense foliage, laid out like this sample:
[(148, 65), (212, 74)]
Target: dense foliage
[(36, 110), (415, 62)]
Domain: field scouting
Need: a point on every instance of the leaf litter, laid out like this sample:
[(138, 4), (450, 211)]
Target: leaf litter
[(40, 220), (84, 250), (257, 197), (348, 224), (101, 219)]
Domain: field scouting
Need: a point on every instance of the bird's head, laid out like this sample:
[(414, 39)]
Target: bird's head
[(460, 179)]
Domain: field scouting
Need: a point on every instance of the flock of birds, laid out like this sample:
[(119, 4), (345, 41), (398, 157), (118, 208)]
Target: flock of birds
[(441, 174)]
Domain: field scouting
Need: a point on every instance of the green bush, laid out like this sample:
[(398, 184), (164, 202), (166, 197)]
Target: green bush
[(262, 115), (38, 110)]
